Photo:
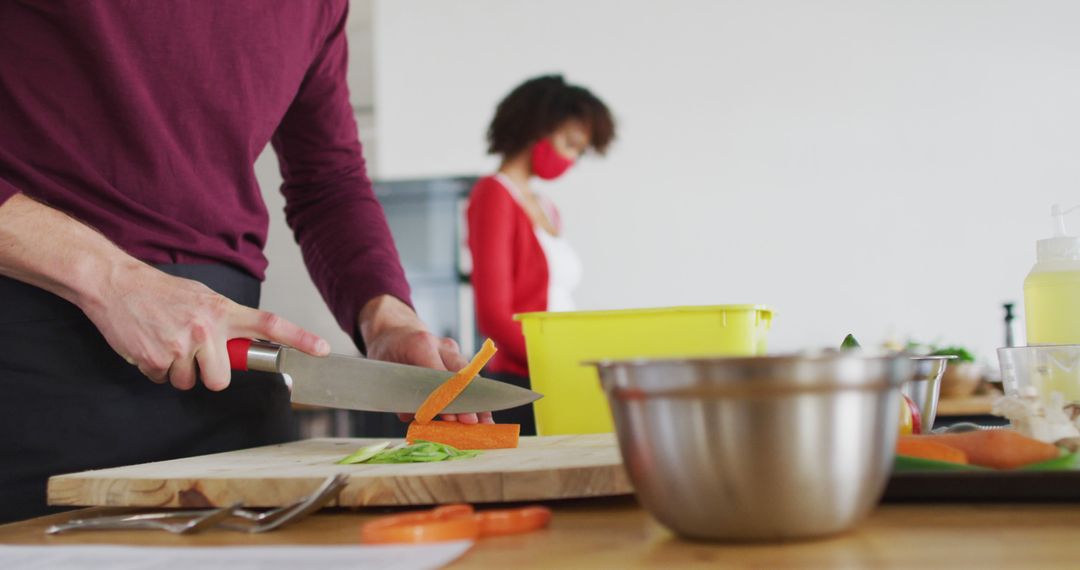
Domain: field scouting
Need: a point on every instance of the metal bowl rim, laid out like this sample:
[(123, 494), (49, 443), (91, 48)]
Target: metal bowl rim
[(710, 393), (763, 360)]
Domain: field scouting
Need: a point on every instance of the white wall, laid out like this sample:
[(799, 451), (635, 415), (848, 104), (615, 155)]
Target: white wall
[(876, 167)]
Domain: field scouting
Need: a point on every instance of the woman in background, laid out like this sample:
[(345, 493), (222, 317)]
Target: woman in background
[(521, 262)]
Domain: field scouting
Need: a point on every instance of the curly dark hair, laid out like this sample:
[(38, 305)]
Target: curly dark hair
[(534, 109)]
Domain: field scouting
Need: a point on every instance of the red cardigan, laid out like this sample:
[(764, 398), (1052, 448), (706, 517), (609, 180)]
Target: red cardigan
[(510, 271)]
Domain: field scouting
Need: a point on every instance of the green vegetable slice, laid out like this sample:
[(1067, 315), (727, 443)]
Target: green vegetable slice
[(419, 452), (850, 343), (961, 353), (363, 454)]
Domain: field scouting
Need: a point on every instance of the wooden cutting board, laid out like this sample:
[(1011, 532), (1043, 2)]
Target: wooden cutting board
[(542, 468)]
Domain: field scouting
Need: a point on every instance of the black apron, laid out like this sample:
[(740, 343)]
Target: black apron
[(521, 415), (69, 403)]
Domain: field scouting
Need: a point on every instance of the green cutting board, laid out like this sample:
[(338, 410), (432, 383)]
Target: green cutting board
[(904, 464)]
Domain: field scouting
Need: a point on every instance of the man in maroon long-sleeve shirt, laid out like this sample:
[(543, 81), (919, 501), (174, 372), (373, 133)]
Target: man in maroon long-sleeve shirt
[(128, 134)]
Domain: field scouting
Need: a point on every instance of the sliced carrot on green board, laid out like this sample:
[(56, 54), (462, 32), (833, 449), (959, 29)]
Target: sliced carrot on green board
[(448, 391), (999, 448), (465, 436), (995, 449), (912, 446)]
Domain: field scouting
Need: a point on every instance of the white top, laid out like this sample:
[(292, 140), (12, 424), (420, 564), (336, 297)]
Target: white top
[(564, 266)]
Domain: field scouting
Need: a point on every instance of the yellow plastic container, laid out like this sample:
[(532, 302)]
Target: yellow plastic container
[(557, 344)]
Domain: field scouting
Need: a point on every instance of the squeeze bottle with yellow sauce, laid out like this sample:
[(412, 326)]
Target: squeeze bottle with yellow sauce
[(1052, 289)]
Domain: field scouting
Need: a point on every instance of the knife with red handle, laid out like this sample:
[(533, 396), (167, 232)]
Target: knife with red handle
[(357, 383)]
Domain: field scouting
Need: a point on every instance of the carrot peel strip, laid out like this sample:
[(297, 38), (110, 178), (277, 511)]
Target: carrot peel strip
[(448, 391)]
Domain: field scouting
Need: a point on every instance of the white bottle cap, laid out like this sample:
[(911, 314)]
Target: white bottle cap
[(1061, 247)]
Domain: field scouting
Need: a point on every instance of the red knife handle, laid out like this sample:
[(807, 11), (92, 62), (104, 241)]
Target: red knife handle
[(246, 354), (238, 353)]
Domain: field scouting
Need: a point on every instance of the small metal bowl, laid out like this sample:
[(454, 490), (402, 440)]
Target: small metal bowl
[(925, 386), (762, 448)]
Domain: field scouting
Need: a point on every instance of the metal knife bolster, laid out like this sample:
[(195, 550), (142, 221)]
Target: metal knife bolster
[(264, 357), (247, 354)]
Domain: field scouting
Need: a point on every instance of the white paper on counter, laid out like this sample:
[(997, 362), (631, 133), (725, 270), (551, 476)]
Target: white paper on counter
[(102, 557)]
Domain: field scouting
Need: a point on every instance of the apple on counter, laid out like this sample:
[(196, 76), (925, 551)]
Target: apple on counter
[(910, 418)]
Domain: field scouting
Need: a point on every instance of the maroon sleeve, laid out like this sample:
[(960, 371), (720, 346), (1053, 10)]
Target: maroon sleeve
[(491, 218), (6, 191), (330, 204)]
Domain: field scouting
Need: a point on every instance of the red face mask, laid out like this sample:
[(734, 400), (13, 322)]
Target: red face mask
[(547, 163)]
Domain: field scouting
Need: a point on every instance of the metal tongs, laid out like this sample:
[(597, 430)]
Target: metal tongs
[(193, 521)]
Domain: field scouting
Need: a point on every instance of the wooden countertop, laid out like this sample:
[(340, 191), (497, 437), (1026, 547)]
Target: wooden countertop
[(969, 406), (617, 533)]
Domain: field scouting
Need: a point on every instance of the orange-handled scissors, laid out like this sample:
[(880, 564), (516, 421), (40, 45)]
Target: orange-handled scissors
[(453, 522)]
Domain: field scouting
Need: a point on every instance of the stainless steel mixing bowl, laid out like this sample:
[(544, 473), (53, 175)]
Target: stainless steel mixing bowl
[(925, 386), (762, 448)]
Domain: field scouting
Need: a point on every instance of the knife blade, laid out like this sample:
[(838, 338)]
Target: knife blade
[(355, 383)]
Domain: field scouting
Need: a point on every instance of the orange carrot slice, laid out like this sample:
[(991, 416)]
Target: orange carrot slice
[(452, 522), (452, 388), (463, 436), (999, 448), (513, 521), (912, 446)]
